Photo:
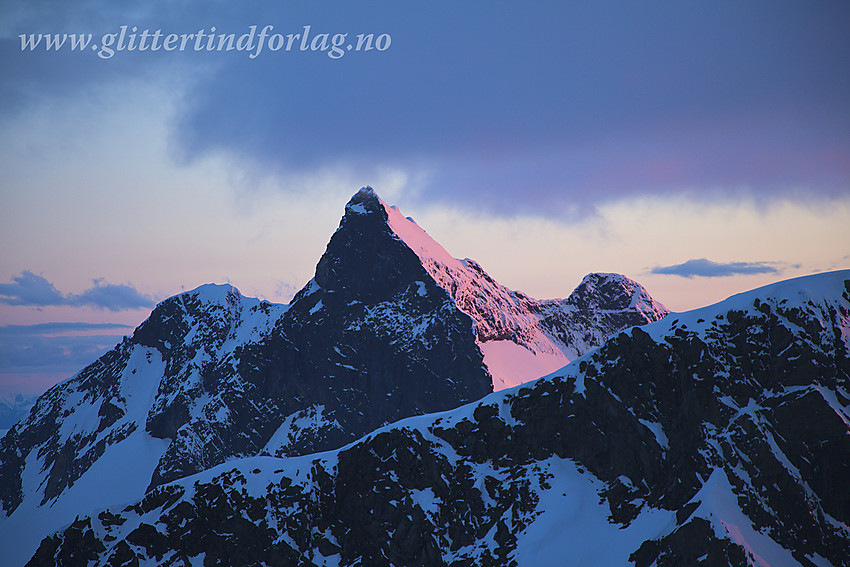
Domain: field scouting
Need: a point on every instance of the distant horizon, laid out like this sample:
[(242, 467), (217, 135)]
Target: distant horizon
[(33, 385)]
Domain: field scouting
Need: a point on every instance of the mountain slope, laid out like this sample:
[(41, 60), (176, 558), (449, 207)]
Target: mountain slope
[(522, 337), (85, 442), (716, 437), (390, 326)]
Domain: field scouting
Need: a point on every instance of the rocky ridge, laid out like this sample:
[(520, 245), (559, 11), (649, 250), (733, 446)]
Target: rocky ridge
[(716, 437), (515, 330)]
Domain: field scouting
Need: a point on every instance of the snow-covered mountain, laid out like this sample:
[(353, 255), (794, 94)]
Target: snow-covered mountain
[(13, 408), (715, 437), (391, 326), (521, 337)]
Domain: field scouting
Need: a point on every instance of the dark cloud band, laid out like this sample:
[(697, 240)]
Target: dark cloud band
[(58, 328), (34, 357), (562, 104)]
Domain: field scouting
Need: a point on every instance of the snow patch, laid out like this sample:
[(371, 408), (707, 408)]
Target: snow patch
[(356, 208), (720, 507), (118, 477), (418, 240), (657, 431), (573, 528), (299, 425), (511, 364)]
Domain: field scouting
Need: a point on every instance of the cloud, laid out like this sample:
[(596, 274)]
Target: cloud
[(704, 268), (575, 103), (35, 290), (30, 289), (114, 297), (620, 112)]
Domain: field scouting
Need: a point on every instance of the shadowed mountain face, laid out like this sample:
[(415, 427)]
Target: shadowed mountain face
[(391, 326), (369, 340), (716, 437)]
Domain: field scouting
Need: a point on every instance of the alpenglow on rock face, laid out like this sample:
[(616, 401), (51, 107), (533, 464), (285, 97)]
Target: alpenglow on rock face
[(521, 337), (717, 437), (390, 326)]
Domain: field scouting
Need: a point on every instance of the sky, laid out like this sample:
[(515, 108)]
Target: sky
[(702, 149)]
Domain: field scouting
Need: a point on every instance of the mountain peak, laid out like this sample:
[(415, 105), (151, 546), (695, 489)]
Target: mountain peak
[(174, 317), (366, 201), (607, 291), (546, 334), (365, 260)]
